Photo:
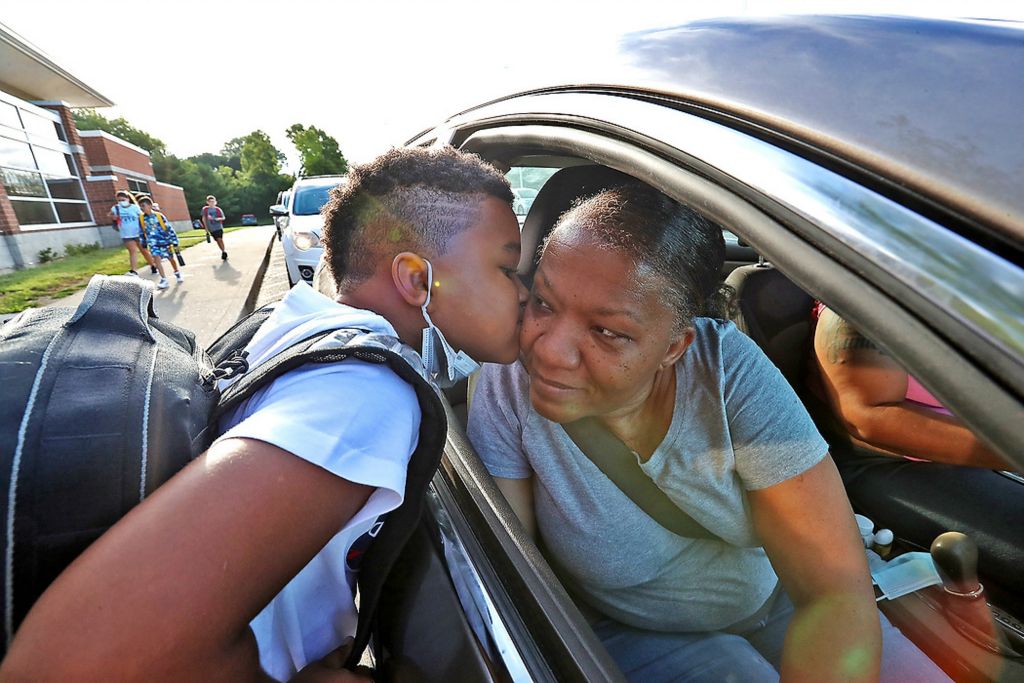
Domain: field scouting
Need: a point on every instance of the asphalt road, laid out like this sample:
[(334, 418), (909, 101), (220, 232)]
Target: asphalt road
[(214, 292)]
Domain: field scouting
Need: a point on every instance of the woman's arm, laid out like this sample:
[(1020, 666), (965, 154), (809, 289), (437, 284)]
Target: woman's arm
[(519, 494), (866, 389), (808, 530), (169, 591)]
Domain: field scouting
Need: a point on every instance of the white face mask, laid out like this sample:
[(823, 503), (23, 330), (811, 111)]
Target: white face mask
[(124, 203), (443, 365)]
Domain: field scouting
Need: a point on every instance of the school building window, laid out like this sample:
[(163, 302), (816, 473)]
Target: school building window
[(138, 186), (39, 173)]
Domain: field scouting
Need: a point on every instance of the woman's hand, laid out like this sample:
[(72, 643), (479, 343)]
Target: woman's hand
[(808, 530)]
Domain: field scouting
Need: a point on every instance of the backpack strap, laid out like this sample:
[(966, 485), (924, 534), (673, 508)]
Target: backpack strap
[(620, 465), (338, 345), (239, 335)]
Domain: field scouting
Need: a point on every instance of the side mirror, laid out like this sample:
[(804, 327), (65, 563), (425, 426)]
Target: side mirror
[(279, 210)]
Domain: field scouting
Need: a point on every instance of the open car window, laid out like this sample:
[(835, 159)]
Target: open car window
[(806, 268)]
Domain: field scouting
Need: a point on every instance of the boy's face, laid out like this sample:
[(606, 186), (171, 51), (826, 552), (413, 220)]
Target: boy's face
[(476, 299), (146, 207)]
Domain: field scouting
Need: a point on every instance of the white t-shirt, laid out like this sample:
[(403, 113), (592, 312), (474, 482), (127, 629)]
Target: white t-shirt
[(355, 419)]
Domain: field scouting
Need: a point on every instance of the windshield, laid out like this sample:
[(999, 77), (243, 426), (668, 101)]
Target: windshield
[(309, 200)]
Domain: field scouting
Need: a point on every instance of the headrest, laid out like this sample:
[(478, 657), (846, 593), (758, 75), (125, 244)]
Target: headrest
[(555, 198), (776, 314)]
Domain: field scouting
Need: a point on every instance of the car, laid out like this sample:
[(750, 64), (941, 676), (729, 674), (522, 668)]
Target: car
[(302, 224), (871, 163), (248, 219), (280, 221), (524, 197)]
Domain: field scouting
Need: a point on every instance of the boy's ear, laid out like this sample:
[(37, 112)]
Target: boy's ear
[(409, 273)]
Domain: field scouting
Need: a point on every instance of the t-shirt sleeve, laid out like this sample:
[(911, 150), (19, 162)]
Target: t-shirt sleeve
[(357, 420), (773, 437), (495, 429)]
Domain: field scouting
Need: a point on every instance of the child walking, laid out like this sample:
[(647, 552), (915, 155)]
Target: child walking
[(161, 238)]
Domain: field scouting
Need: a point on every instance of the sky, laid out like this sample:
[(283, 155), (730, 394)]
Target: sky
[(371, 73)]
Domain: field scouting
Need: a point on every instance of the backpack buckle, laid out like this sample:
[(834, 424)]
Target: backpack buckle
[(232, 366)]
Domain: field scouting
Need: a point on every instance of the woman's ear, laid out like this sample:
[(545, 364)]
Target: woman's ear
[(409, 274), (677, 348)]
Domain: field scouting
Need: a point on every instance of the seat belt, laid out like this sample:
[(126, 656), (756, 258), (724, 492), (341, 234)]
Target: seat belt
[(620, 465)]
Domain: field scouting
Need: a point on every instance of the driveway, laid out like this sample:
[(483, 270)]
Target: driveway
[(211, 298)]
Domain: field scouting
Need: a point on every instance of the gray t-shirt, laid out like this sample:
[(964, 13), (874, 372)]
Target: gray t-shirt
[(738, 426)]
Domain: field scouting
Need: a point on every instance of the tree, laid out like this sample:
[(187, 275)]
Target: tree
[(231, 152), (245, 177), (319, 152), (259, 156), (90, 119)]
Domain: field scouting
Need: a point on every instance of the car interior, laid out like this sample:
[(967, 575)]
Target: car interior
[(775, 312)]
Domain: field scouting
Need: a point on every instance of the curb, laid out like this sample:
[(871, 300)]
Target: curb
[(257, 283)]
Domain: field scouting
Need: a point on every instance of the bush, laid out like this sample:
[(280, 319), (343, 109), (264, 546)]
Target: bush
[(77, 249), (47, 255)]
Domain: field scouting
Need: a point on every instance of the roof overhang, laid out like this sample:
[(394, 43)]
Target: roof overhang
[(28, 73)]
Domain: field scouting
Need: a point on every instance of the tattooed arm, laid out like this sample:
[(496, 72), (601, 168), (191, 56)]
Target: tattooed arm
[(866, 389)]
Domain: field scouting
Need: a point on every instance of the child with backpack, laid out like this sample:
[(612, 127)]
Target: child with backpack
[(237, 567), (162, 239)]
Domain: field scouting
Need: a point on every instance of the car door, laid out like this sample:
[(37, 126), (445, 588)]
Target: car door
[(935, 298)]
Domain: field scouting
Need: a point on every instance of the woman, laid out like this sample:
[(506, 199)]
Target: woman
[(613, 331)]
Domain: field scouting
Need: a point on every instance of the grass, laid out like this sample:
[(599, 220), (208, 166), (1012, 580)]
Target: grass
[(40, 285)]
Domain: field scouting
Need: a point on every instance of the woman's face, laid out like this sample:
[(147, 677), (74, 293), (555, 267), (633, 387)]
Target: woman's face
[(594, 335)]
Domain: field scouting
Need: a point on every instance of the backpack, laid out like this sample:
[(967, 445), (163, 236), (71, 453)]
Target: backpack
[(106, 402)]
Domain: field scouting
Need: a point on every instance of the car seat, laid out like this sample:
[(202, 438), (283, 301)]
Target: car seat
[(776, 314), (557, 196)]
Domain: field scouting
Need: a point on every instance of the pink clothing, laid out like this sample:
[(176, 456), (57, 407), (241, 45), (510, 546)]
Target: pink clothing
[(921, 396)]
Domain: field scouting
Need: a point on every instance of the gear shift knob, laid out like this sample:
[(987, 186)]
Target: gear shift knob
[(956, 558)]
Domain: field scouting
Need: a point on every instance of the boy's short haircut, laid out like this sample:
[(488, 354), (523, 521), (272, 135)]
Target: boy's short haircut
[(408, 199), (145, 200), (122, 193), (209, 197)]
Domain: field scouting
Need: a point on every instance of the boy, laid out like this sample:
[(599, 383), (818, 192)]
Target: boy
[(256, 531), (213, 221), (161, 238)]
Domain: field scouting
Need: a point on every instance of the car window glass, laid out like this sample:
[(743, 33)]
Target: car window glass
[(526, 182), (309, 200)]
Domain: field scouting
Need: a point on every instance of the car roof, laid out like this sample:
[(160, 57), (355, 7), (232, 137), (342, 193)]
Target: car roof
[(317, 180), (931, 106)]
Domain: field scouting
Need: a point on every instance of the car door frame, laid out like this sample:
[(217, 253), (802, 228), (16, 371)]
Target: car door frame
[(809, 252)]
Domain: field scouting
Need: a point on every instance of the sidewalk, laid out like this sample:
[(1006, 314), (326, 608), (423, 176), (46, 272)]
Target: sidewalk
[(215, 293)]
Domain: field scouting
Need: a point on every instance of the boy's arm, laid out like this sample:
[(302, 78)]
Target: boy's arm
[(169, 591)]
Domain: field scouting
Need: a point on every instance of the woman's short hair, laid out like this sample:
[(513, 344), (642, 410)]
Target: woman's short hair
[(676, 249)]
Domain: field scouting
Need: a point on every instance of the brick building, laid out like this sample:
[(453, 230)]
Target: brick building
[(57, 183), (116, 164)]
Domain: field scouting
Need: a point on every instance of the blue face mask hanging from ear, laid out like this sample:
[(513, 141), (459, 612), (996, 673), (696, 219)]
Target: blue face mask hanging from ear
[(443, 365)]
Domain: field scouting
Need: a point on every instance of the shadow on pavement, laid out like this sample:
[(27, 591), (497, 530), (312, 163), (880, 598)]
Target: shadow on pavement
[(225, 271)]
